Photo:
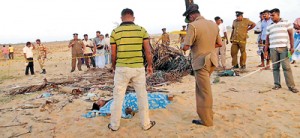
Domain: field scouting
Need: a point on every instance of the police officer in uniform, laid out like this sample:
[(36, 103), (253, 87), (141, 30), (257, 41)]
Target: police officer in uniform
[(165, 38), (202, 38), (240, 28), (77, 47), (42, 55)]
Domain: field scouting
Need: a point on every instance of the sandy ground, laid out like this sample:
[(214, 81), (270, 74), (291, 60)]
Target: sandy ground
[(245, 108)]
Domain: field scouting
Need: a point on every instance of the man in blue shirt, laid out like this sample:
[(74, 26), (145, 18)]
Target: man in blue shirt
[(264, 24)]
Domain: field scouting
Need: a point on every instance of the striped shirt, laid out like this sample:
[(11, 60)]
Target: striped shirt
[(129, 40), (278, 33)]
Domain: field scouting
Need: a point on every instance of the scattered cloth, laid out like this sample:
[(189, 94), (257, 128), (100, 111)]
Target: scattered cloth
[(155, 100), (296, 55), (227, 73)]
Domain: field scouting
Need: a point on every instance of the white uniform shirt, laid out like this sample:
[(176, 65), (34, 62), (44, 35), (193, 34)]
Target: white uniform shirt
[(28, 51), (222, 29), (257, 28)]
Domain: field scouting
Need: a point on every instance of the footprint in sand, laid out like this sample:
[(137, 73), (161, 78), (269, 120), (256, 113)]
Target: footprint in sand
[(233, 90), (270, 114)]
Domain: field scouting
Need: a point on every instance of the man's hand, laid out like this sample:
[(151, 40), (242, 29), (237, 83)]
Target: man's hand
[(266, 54), (113, 67), (149, 71), (292, 50)]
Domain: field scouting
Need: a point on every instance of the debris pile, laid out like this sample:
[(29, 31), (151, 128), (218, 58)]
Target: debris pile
[(170, 65)]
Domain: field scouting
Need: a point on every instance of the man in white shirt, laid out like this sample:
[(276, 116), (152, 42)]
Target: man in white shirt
[(258, 30), (28, 55), (100, 43), (279, 36), (89, 50), (107, 49), (221, 50)]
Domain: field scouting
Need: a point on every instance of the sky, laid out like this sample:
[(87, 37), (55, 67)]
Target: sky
[(57, 20)]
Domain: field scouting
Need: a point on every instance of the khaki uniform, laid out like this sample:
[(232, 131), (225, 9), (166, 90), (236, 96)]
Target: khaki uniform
[(77, 53), (182, 36), (41, 49), (239, 40), (222, 52), (165, 39), (202, 36), (181, 40)]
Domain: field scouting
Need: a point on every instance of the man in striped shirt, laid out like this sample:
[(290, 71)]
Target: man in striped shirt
[(279, 35), (127, 42)]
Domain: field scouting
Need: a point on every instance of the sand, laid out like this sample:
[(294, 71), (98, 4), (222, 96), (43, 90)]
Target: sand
[(245, 108)]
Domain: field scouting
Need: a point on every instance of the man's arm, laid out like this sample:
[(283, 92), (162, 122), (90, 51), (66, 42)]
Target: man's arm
[(158, 40), (231, 34), (218, 41), (148, 54), (113, 56), (94, 51), (225, 35), (189, 38), (267, 45), (25, 56), (33, 46), (186, 47), (83, 47), (251, 26), (71, 44), (290, 32)]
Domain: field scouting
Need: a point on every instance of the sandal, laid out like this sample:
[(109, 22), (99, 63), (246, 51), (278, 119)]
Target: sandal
[(276, 87), (109, 127), (152, 124), (267, 68), (294, 90), (198, 122), (261, 65)]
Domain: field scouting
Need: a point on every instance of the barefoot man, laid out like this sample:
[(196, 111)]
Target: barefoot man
[(202, 37)]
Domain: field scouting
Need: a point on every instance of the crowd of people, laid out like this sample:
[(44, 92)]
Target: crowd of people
[(8, 52), (205, 39), (275, 37), (94, 52)]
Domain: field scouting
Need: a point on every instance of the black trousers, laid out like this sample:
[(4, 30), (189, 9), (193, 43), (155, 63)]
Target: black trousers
[(29, 66), (86, 60), (11, 55)]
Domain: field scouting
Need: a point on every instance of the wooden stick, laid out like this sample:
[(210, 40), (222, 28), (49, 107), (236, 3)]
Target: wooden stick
[(17, 135), (22, 124)]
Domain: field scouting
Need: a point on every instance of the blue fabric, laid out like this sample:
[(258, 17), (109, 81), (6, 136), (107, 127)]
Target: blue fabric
[(264, 25), (155, 100), (296, 55)]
